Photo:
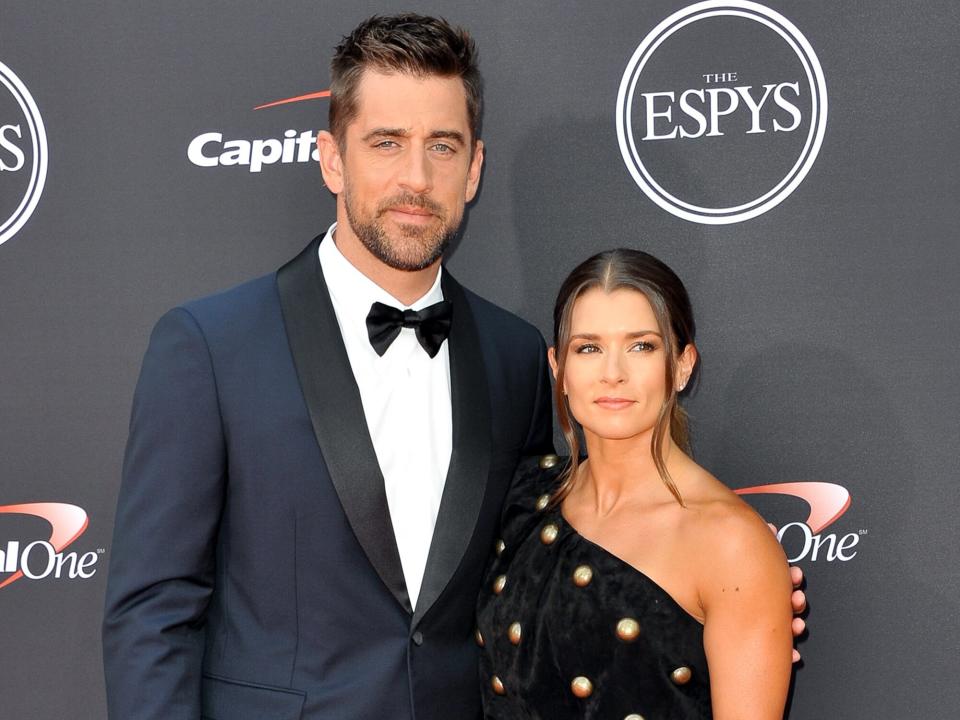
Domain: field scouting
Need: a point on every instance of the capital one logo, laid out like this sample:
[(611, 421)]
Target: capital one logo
[(721, 111), (23, 154), (37, 559), (212, 149), (805, 540)]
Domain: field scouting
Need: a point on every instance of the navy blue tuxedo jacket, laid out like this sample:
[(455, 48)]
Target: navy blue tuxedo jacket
[(254, 572)]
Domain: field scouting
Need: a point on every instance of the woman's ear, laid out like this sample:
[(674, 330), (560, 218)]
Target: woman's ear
[(685, 365), (552, 359)]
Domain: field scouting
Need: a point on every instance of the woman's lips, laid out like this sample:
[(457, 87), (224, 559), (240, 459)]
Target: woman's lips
[(613, 403)]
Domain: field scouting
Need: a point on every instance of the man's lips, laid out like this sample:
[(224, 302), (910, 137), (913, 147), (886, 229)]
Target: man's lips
[(411, 213), (613, 403)]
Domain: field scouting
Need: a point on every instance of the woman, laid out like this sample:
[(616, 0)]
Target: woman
[(631, 584)]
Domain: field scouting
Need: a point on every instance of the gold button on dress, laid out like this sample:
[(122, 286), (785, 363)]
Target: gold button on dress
[(514, 632), (582, 575), (628, 629), (581, 687), (549, 533), (549, 461), (682, 675)]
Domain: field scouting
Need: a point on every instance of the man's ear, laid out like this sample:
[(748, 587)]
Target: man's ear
[(473, 174), (331, 163)]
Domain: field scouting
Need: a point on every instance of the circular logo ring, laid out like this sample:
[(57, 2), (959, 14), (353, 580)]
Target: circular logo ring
[(811, 65), (38, 139)]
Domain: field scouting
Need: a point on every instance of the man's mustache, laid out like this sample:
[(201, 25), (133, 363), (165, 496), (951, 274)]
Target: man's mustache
[(412, 201)]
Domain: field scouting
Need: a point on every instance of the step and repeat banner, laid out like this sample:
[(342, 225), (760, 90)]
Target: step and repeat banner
[(795, 162)]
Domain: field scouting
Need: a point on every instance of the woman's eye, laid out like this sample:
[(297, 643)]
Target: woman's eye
[(643, 346), (586, 349)]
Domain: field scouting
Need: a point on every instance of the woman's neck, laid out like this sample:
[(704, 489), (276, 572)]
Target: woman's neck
[(619, 471)]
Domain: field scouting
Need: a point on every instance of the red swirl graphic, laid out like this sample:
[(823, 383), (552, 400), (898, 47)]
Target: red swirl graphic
[(827, 501), (67, 523), (298, 98)]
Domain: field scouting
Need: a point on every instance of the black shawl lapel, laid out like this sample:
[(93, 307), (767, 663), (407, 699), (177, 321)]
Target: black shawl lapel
[(336, 412), (470, 460)]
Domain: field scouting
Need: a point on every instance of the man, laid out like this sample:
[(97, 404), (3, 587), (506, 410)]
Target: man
[(315, 467), (304, 517)]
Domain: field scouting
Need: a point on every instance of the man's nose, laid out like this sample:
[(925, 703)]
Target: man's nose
[(416, 173)]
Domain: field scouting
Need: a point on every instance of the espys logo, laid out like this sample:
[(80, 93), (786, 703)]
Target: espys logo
[(721, 111), (806, 540), (39, 559), (23, 154), (209, 149)]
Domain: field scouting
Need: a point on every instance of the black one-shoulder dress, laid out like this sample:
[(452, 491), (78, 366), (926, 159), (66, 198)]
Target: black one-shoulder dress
[(568, 630)]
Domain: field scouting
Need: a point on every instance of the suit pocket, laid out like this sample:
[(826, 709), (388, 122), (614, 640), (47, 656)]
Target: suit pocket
[(225, 699)]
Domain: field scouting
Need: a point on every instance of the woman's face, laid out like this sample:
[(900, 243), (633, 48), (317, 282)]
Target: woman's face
[(615, 377)]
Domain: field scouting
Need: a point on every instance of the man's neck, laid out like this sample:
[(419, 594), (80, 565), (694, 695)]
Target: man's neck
[(407, 286)]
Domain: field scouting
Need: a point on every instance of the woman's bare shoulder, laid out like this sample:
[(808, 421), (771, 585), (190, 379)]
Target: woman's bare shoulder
[(729, 528)]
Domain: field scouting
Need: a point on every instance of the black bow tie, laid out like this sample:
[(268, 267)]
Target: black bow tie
[(432, 325)]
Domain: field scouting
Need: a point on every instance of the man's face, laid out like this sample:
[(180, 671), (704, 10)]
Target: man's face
[(406, 168)]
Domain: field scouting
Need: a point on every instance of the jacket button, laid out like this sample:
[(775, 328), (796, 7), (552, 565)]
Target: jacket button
[(418, 638)]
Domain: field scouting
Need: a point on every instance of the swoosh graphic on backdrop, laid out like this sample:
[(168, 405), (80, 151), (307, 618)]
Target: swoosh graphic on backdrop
[(67, 523), (298, 98), (827, 501)]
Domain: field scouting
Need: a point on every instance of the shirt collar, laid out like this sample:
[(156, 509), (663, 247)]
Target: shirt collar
[(353, 293)]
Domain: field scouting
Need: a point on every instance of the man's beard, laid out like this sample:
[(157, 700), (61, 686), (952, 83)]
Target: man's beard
[(417, 247)]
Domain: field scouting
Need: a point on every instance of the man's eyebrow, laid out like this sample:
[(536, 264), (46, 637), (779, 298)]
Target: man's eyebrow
[(448, 135), (385, 132)]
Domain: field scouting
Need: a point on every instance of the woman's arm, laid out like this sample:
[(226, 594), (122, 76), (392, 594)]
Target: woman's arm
[(745, 591)]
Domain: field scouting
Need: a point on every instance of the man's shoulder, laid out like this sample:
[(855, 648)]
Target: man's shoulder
[(496, 319), (245, 300), (227, 318)]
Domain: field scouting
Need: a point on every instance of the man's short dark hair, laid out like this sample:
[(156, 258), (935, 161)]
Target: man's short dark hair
[(406, 43)]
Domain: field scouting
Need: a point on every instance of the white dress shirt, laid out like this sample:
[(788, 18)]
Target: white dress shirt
[(406, 402)]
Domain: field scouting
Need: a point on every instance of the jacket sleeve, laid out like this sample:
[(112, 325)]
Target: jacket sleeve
[(162, 559), (540, 435)]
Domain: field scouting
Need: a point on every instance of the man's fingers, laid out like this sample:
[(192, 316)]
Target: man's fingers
[(798, 626), (796, 576)]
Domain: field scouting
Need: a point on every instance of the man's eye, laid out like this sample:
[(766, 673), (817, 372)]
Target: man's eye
[(442, 148), (386, 144)]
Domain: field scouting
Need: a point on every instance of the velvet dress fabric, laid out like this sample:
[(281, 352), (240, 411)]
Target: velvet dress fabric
[(561, 642)]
